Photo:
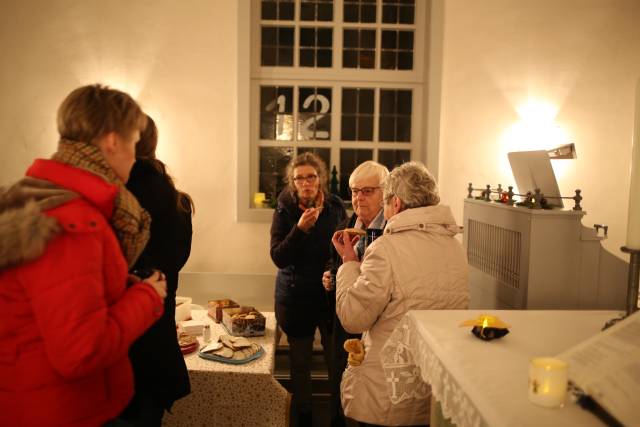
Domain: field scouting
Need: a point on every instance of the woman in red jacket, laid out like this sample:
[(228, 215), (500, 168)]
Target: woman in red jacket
[(68, 233)]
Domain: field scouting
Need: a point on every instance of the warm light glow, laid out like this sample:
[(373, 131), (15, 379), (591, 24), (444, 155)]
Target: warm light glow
[(536, 130)]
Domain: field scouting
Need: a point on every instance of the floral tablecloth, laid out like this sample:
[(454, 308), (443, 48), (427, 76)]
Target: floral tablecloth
[(232, 395)]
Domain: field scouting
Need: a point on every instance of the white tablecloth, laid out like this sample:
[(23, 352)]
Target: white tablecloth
[(480, 383), (232, 395)]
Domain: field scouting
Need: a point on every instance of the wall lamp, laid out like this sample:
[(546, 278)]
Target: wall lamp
[(567, 151)]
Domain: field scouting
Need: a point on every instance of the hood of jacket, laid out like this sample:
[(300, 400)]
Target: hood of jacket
[(432, 219), (24, 229)]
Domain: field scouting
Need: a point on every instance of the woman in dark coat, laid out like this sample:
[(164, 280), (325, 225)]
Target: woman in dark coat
[(303, 224), (160, 373)]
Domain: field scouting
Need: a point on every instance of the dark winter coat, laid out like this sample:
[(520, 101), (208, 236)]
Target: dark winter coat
[(158, 364), (67, 318), (301, 258)]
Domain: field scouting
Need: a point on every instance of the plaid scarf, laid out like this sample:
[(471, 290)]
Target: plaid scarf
[(130, 221)]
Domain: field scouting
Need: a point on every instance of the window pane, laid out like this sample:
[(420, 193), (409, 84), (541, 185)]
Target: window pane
[(389, 39), (269, 9), (285, 36), (393, 158), (325, 58), (325, 12), (365, 101), (404, 102), (406, 14), (349, 100), (365, 128), (285, 57), (268, 56), (307, 57), (403, 129), (405, 61), (273, 162), (368, 39), (368, 13), (276, 113), (386, 128), (269, 36), (325, 37), (314, 118), (350, 38), (349, 160), (285, 10), (307, 11), (388, 60), (348, 128), (307, 37), (367, 59), (351, 12), (397, 50), (405, 39), (350, 59), (387, 101), (390, 14)]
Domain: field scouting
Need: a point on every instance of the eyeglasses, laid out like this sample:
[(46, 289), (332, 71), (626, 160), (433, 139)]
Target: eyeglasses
[(310, 179), (366, 191)]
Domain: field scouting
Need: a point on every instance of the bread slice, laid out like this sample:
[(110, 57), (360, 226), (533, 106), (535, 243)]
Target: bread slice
[(355, 231)]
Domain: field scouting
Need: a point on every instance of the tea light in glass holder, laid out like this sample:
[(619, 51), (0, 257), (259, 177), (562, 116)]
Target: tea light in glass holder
[(258, 199), (547, 381)]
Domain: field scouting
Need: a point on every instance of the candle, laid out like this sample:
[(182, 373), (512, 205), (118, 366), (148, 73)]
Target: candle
[(258, 199), (633, 220), (547, 381)]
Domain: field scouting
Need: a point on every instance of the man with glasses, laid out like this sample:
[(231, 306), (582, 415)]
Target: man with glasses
[(365, 185)]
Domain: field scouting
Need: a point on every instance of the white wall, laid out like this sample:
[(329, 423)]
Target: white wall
[(582, 56), (179, 60)]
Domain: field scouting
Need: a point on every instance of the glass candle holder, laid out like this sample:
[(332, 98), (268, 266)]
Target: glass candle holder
[(258, 200), (547, 381)]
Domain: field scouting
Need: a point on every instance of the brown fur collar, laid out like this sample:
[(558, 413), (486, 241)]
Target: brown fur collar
[(24, 230)]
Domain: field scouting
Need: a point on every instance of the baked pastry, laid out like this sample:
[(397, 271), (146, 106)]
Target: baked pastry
[(356, 351), (188, 343), (356, 231)]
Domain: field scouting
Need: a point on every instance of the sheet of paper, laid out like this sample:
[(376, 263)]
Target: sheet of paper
[(607, 368)]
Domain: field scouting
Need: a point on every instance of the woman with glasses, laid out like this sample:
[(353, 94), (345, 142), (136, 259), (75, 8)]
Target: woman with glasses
[(416, 265), (365, 184), (303, 223)]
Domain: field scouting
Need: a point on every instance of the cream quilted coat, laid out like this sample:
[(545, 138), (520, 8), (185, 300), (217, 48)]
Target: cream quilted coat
[(416, 265)]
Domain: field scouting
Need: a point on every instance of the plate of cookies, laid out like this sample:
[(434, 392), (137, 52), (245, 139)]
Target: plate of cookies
[(232, 349)]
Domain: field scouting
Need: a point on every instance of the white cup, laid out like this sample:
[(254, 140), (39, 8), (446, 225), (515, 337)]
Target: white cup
[(547, 381)]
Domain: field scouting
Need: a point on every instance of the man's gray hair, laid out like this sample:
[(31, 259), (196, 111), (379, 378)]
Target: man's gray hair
[(368, 169), (413, 184)]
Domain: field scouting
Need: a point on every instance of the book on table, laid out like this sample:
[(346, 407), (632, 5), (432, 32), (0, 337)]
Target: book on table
[(606, 369)]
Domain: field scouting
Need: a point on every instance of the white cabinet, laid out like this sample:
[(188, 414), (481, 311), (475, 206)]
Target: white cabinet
[(530, 258)]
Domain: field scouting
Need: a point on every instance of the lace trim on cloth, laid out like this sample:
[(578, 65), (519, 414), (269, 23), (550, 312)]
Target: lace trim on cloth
[(410, 366)]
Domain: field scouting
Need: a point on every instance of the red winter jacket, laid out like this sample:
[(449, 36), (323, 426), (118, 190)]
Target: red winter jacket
[(67, 319)]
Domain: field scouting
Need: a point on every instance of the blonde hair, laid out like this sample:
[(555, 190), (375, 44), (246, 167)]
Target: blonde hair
[(92, 111), (413, 184)]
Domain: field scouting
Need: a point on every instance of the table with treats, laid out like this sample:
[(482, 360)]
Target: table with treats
[(480, 383), (226, 394)]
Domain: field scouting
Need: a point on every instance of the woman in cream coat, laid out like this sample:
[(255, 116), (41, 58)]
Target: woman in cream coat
[(416, 265)]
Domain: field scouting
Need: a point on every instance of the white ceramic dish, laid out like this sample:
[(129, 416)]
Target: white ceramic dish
[(183, 308)]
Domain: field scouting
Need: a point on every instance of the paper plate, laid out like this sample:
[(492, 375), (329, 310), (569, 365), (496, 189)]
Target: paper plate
[(221, 359)]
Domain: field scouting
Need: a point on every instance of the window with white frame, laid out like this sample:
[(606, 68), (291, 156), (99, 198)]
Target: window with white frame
[(341, 78)]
